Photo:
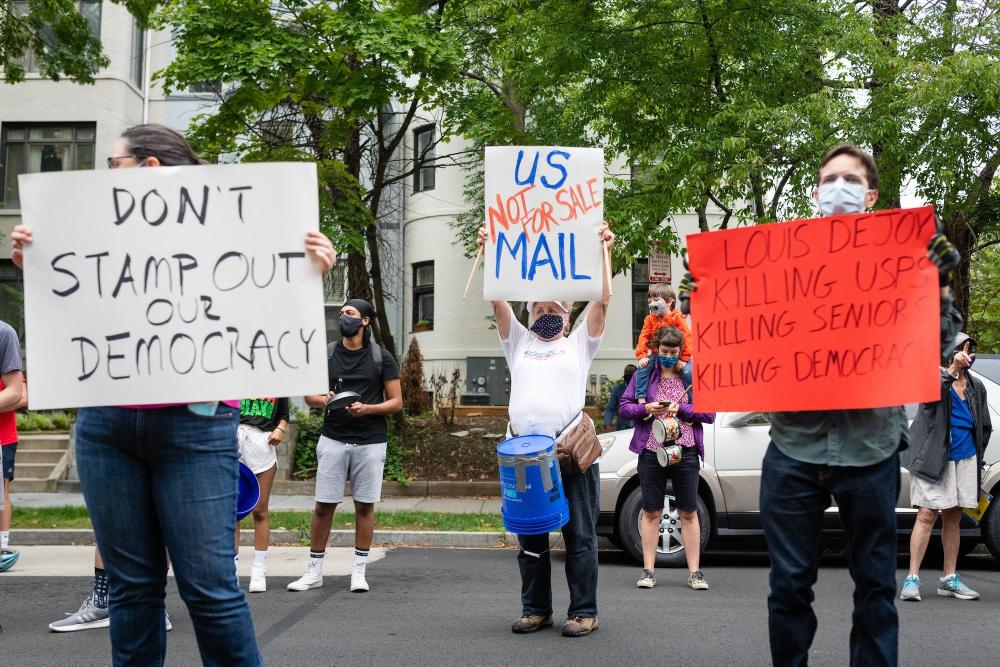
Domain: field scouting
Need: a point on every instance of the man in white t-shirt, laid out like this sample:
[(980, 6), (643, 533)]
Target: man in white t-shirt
[(549, 368)]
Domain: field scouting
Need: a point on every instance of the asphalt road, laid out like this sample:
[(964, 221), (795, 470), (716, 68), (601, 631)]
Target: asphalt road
[(454, 607)]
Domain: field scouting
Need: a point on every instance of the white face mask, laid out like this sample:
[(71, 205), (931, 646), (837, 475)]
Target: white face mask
[(658, 307), (841, 197)]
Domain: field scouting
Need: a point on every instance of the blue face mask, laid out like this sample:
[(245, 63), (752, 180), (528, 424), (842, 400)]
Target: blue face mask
[(667, 362), (841, 197)]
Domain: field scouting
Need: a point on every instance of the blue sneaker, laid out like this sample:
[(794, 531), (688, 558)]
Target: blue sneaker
[(911, 588), (952, 587), (7, 559)]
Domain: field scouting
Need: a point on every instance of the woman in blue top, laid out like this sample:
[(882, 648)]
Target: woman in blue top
[(947, 442)]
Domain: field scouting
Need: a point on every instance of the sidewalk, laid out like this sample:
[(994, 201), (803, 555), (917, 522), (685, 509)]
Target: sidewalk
[(301, 503)]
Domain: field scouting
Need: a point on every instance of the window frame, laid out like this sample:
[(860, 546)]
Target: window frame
[(420, 160), (137, 64), (640, 292), (27, 127), (419, 291), (28, 60)]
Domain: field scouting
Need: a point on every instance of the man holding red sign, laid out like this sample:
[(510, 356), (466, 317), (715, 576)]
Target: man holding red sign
[(849, 454)]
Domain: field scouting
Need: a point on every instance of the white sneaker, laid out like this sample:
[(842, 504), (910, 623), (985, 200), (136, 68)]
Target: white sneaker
[(258, 579), (358, 583), (166, 618), (313, 578)]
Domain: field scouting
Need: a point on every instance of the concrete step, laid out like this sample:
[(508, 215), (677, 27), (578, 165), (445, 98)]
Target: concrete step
[(68, 486), (43, 441), (33, 470), (51, 456), (28, 485)]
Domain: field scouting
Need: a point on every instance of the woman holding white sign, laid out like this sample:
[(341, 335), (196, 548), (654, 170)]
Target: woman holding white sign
[(549, 368), (161, 478)]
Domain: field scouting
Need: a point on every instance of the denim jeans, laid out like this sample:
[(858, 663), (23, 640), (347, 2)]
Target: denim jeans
[(580, 536), (157, 481), (793, 497)]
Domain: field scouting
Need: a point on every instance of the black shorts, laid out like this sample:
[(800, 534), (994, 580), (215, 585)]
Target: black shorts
[(684, 475), (9, 454)]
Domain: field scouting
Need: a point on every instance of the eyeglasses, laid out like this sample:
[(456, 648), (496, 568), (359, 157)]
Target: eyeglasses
[(113, 160)]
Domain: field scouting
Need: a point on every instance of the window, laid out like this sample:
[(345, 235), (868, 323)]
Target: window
[(12, 297), (29, 149), (91, 11), (334, 296), (138, 74), (640, 289), (423, 295), (423, 158), (205, 87)]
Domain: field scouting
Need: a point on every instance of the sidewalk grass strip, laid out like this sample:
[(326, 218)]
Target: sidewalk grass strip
[(76, 517)]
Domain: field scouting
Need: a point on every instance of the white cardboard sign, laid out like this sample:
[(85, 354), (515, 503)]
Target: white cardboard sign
[(544, 205), (172, 285)]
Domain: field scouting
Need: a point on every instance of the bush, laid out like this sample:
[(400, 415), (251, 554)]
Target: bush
[(411, 379), (308, 425), (394, 452), (44, 421)]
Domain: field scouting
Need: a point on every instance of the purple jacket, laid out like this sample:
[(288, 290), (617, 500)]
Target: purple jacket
[(630, 409)]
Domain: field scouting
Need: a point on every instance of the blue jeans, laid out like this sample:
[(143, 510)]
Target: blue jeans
[(793, 497), (157, 481), (580, 536)]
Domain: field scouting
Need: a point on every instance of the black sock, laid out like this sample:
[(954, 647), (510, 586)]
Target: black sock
[(100, 588)]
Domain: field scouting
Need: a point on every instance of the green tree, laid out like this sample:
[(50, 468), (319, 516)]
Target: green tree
[(58, 36), (334, 83)]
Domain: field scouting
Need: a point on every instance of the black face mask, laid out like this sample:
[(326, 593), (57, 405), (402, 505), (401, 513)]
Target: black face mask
[(349, 326)]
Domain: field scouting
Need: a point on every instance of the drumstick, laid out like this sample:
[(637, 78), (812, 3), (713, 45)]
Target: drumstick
[(472, 273)]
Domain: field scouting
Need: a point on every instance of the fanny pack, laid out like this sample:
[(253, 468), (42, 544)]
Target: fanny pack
[(577, 445)]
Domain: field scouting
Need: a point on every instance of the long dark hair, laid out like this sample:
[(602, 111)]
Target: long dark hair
[(159, 141)]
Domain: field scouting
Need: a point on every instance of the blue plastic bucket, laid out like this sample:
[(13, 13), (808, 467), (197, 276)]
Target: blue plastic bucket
[(249, 492), (534, 500)]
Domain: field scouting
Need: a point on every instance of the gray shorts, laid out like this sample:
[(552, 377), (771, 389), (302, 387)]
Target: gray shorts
[(956, 488), (339, 461)]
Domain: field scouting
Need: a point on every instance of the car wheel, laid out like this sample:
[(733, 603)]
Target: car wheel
[(670, 549), (991, 529)]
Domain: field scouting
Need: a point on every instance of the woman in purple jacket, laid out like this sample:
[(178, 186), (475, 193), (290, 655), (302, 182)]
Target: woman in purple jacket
[(667, 400)]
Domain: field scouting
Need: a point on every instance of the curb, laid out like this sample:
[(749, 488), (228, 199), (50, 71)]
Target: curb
[(338, 538)]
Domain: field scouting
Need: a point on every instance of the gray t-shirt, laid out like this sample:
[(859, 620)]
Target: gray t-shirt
[(10, 349)]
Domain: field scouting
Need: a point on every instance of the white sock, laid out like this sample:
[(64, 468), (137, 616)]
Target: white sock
[(259, 557), (317, 557), (4, 539), (360, 557)]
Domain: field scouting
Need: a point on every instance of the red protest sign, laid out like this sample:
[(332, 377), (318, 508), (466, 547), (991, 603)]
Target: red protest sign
[(827, 314)]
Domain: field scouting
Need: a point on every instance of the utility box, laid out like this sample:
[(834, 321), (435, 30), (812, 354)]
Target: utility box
[(488, 376)]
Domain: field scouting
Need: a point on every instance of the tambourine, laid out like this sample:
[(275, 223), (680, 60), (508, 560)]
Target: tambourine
[(342, 400)]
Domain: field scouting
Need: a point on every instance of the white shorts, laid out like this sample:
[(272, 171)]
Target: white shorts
[(337, 462), (956, 488), (255, 451)]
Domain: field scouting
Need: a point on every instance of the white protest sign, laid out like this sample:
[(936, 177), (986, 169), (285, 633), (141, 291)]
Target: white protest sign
[(172, 285), (544, 205)]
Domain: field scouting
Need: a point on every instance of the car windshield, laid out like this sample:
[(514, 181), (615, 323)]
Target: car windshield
[(988, 365)]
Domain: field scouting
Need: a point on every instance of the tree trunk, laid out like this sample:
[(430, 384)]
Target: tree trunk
[(887, 137), (957, 230)]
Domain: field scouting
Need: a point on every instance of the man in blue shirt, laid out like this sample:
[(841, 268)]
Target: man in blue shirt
[(611, 409)]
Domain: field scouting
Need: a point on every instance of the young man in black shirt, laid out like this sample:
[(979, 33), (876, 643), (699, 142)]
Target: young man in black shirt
[(352, 444)]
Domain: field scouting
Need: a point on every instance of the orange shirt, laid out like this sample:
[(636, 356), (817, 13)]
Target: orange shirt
[(652, 324)]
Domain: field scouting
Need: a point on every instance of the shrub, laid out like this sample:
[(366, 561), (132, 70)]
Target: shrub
[(44, 421), (394, 452), (411, 379), (308, 426), (445, 401)]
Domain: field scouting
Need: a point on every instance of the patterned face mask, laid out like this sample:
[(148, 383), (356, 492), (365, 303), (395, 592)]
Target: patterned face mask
[(658, 307), (548, 326)]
